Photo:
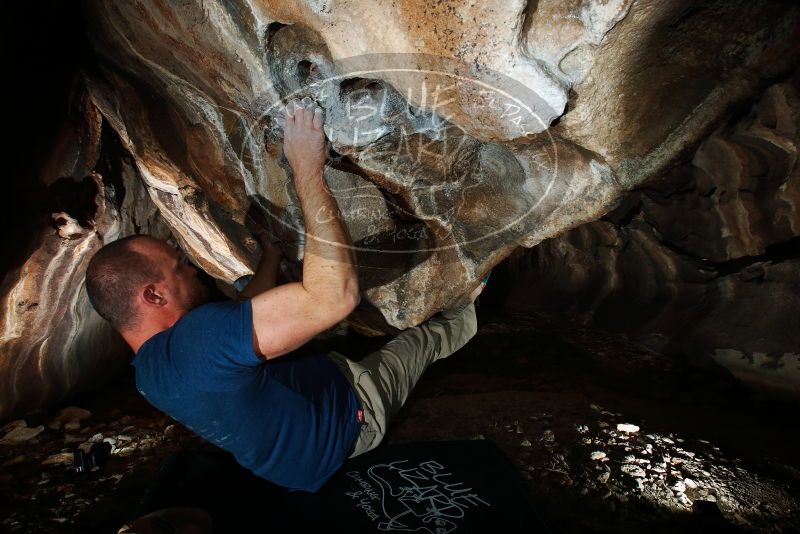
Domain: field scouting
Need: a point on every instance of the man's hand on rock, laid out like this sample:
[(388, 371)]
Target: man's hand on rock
[(304, 138), (270, 251)]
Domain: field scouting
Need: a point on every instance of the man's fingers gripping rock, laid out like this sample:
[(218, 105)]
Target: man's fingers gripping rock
[(318, 117)]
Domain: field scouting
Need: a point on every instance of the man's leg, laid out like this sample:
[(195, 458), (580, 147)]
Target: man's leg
[(384, 379)]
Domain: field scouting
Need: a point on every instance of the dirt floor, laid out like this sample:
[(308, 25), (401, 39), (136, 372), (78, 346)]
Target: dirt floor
[(609, 437)]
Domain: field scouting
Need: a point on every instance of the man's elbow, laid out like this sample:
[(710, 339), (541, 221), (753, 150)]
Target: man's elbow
[(338, 299), (350, 299)]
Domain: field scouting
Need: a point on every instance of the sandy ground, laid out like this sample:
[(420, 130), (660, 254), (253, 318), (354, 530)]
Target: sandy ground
[(609, 437)]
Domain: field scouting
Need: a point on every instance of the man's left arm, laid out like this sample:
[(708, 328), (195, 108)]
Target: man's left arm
[(266, 273)]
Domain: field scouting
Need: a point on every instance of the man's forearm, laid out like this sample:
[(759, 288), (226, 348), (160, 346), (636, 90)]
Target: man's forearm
[(265, 277), (329, 261)]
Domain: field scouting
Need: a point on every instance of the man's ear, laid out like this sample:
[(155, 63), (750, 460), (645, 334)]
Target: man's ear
[(153, 296)]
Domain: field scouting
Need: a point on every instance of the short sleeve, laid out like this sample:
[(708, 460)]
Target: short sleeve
[(213, 344)]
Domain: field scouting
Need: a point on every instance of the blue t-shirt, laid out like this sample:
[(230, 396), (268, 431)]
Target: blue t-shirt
[(291, 420)]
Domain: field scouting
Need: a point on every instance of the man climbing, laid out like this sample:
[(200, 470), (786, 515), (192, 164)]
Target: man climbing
[(227, 369)]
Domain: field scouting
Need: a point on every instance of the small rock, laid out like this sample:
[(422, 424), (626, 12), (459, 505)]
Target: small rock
[(21, 434), (595, 407), (679, 487), (58, 459), (125, 451), (14, 461), (124, 437), (582, 429), (525, 443), (548, 436), (97, 438), (633, 470), (684, 500), (86, 446), (70, 414), (72, 426), (691, 484), (597, 455), (603, 477), (171, 430), (13, 424), (602, 424), (584, 490), (627, 427)]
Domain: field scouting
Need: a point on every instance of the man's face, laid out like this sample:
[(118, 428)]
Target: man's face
[(180, 276)]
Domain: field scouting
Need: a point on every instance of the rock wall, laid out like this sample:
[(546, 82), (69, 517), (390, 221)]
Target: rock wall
[(704, 264), (459, 132)]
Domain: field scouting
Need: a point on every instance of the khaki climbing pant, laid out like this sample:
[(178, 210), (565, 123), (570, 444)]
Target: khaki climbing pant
[(384, 379)]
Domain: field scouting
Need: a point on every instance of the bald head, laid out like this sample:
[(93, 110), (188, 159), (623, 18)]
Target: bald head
[(116, 274)]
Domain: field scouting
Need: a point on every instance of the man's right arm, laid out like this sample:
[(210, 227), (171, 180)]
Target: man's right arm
[(289, 315)]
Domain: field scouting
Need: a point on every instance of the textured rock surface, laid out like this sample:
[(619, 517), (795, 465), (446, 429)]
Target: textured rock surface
[(52, 340), (459, 130), (427, 191), (705, 263)]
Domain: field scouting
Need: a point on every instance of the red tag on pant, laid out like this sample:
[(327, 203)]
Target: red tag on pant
[(360, 415)]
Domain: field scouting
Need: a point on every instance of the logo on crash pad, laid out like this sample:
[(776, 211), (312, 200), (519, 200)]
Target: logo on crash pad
[(405, 496)]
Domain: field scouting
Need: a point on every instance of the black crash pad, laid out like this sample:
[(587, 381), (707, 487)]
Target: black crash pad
[(432, 487)]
